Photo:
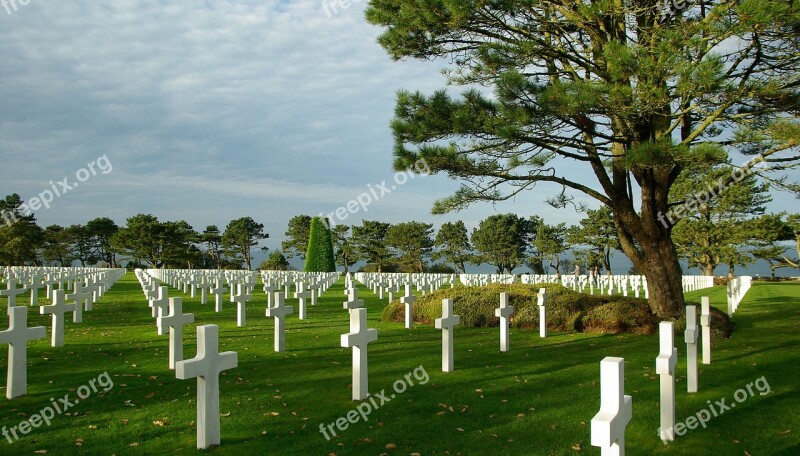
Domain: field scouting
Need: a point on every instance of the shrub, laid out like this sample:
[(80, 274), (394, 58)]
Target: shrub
[(567, 311)]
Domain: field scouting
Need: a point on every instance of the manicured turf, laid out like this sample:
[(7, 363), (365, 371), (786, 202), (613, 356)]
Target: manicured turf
[(536, 399)]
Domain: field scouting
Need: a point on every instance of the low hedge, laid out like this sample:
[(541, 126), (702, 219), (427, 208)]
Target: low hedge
[(567, 311)]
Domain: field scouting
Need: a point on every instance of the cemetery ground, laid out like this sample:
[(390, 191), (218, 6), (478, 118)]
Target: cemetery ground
[(538, 398)]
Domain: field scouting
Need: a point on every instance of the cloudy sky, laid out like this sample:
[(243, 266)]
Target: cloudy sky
[(213, 110)]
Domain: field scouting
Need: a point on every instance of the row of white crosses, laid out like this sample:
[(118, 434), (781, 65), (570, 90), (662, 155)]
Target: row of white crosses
[(737, 288), (19, 334), (205, 367), (608, 426)]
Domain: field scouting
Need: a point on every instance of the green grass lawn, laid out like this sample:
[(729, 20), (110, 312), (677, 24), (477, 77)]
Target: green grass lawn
[(539, 398)]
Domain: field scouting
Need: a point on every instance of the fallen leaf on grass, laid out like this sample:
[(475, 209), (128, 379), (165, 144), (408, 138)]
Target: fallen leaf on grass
[(576, 447), (158, 423), (225, 414), (40, 451), (391, 446)]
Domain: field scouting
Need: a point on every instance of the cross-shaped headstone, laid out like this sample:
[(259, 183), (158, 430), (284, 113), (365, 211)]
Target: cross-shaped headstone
[(206, 367), (17, 336), (175, 321), (316, 290), (77, 297), (541, 301), (11, 292), (352, 300), (34, 285), (358, 338), (504, 312), (446, 324), (705, 323), (616, 409), (408, 304), (218, 291), (279, 311), (57, 311), (665, 368), (160, 306), (203, 286), (241, 298), (301, 296), (690, 337)]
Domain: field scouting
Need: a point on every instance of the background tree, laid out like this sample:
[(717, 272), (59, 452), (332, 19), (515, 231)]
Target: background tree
[(241, 236), (412, 242), (141, 239), (716, 232), (180, 250), (630, 92), (319, 255), (598, 232), (20, 237), (276, 261), (57, 248), (100, 230), (344, 248), (452, 245), (550, 242), (296, 243), (370, 242), (793, 221), (502, 240), (212, 239), (80, 239), (769, 232)]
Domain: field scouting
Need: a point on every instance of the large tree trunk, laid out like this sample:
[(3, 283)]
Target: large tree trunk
[(662, 269), (709, 269)]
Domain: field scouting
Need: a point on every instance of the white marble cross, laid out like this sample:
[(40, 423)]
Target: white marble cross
[(690, 337), (17, 336), (77, 297), (160, 306), (241, 298), (279, 311), (218, 291), (175, 321), (616, 409), (665, 368), (705, 323), (206, 367), (541, 301), (446, 324), (301, 296), (504, 312), (408, 303), (57, 311), (34, 286), (352, 300), (358, 338), (11, 292)]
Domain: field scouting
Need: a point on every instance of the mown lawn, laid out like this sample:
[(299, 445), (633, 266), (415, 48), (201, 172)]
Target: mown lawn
[(536, 399)]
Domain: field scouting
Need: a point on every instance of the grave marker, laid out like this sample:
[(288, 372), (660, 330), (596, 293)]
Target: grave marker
[(705, 323), (665, 368), (408, 303), (206, 367), (541, 300), (57, 311), (446, 324), (17, 336), (616, 409), (279, 311), (690, 336), (175, 321), (358, 338), (504, 312)]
